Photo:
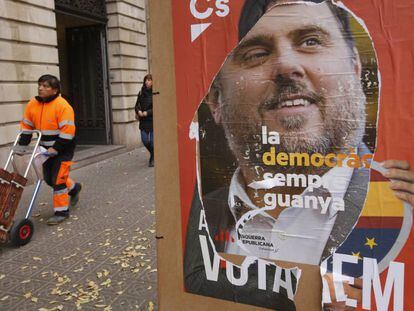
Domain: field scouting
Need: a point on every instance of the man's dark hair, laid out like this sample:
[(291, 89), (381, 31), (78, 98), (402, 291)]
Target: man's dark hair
[(51, 80), (253, 10)]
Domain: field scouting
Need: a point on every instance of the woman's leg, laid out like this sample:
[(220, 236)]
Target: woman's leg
[(151, 146), (145, 140)]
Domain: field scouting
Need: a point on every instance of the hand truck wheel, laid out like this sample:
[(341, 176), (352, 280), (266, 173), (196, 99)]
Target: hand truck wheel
[(21, 232)]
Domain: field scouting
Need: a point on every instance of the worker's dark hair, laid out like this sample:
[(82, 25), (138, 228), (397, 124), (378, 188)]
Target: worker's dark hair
[(253, 10), (51, 80)]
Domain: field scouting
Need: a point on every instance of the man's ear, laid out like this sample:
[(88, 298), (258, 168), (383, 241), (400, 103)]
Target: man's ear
[(213, 101), (357, 62)]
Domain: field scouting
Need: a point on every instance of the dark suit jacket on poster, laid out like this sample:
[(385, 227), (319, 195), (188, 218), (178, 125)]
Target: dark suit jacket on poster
[(219, 218)]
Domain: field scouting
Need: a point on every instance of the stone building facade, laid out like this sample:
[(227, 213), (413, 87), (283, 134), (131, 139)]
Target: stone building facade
[(98, 48)]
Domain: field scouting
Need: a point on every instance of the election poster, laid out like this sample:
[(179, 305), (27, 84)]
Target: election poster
[(295, 130)]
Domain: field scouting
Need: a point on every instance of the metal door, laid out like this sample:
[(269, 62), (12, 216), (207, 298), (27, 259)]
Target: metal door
[(88, 89)]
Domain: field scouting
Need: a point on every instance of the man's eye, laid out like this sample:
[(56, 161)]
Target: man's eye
[(255, 54), (311, 42)]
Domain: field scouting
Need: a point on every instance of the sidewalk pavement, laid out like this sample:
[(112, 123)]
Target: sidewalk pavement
[(102, 258)]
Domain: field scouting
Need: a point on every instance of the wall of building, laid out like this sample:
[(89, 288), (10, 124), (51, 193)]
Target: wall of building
[(128, 64), (27, 50)]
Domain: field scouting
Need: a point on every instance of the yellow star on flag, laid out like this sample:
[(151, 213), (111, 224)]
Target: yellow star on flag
[(371, 243), (357, 255)]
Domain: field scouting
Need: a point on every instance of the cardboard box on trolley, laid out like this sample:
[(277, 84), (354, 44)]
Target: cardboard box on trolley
[(219, 67)]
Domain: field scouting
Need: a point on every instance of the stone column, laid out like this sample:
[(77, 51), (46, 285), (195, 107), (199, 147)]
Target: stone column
[(128, 64)]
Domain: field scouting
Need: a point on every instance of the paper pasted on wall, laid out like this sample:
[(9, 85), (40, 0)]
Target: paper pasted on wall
[(285, 110)]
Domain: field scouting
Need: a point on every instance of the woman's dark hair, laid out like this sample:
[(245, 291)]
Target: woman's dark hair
[(253, 10), (51, 80), (147, 77)]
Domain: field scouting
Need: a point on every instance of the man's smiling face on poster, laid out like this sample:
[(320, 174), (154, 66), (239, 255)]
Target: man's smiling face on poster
[(296, 74), (298, 100)]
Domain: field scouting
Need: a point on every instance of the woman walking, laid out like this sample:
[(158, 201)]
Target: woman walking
[(143, 110)]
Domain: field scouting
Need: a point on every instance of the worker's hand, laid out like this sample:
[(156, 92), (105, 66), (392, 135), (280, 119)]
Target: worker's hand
[(402, 179), (52, 152), (145, 113), (140, 113)]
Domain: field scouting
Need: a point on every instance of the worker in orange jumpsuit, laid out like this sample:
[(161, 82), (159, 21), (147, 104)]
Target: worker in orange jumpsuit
[(50, 113)]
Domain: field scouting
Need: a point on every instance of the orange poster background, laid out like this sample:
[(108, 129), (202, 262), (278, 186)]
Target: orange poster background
[(390, 23)]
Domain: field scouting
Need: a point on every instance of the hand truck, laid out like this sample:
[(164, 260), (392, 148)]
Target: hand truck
[(18, 232)]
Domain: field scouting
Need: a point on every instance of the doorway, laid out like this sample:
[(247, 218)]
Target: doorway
[(84, 76)]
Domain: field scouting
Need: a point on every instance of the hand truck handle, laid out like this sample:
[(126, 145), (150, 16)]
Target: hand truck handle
[(10, 158)]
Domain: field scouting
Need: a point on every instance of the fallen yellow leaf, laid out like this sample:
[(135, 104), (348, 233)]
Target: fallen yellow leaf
[(106, 283), (27, 295)]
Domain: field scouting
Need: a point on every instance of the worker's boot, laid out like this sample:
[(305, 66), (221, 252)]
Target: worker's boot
[(74, 194), (58, 217)]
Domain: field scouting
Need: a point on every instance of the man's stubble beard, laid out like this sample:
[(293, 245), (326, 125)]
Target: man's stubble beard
[(342, 127)]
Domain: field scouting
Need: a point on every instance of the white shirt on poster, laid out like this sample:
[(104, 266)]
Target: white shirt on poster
[(298, 234)]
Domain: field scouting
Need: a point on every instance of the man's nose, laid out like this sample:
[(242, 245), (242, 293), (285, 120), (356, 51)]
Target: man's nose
[(288, 65)]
